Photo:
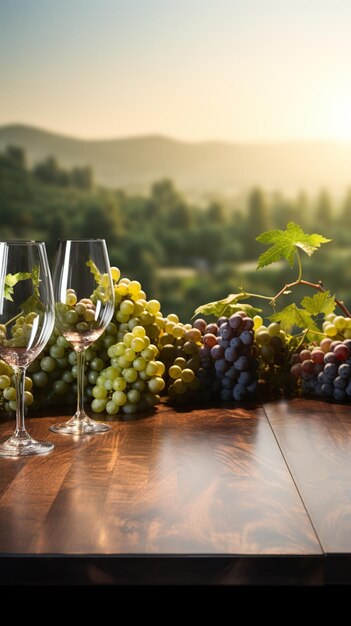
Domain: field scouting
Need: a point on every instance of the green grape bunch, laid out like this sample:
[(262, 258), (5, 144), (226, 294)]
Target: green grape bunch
[(8, 391)]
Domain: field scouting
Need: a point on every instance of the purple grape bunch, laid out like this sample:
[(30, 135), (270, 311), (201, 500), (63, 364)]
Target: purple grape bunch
[(229, 357), (325, 370)]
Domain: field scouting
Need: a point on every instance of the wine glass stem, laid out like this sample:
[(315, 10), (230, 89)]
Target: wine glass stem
[(80, 382), (20, 373)]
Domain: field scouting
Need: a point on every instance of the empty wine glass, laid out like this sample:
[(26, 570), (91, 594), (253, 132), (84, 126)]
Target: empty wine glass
[(27, 318), (84, 305)]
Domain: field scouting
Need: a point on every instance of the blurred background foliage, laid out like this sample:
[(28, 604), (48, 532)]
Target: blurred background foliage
[(183, 254)]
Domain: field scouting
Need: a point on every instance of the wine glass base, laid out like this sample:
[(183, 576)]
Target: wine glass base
[(80, 425), (17, 446)]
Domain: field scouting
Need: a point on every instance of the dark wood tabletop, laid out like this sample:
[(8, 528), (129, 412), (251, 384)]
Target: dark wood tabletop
[(224, 495)]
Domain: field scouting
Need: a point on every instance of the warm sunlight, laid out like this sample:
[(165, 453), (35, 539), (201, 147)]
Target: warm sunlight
[(339, 119)]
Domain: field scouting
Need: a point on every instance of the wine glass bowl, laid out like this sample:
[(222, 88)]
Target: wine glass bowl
[(26, 323), (84, 305)]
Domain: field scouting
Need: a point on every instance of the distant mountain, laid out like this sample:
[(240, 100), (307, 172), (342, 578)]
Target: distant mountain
[(201, 167)]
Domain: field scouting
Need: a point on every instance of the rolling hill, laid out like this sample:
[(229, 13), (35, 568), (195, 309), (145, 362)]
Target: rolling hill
[(198, 168)]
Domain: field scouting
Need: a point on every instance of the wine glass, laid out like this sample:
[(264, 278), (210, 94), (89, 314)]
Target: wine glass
[(84, 305), (27, 317)]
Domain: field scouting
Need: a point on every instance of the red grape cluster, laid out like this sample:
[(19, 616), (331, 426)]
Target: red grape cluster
[(325, 370)]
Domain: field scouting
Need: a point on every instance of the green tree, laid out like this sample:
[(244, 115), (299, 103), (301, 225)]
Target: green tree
[(48, 171), (324, 211), (345, 216), (257, 220), (17, 156), (82, 177), (215, 213)]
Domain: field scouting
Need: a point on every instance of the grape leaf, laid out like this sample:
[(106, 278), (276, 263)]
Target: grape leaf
[(321, 302), (33, 304), (11, 280), (285, 242), (292, 316), (250, 310), (35, 279), (94, 270), (227, 306)]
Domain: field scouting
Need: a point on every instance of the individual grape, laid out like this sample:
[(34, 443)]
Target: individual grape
[(179, 386), (99, 392), (119, 398), (317, 355), (209, 340), (245, 378), (187, 375), (340, 383), (307, 367), (274, 329), (133, 396), (296, 370), (247, 337), (9, 393), (339, 395), (139, 364), (240, 392), (156, 384), (111, 407), (341, 352), (180, 361), (258, 322), (212, 329), (97, 364), (130, 374), (330, 370), (217, 352), (60, 387), (4, 381), (119, 384), (329, 329), (344, 371), (47, 364), (330, 357), (98, 406), (242, 363), (235, 321), (201, 325), (40, 379), (325, 344), (339, 322), (305, 355), (263, 337)]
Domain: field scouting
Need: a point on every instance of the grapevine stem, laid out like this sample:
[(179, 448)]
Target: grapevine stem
[(318, 286), (257, 295), (299, 265), (13, 319)]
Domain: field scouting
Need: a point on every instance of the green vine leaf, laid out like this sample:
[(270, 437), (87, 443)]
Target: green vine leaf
[(228, 306), (321, 302), (11, 280), (32, 304), (94, 270), (35, 276), (292, 316), (284, 244)]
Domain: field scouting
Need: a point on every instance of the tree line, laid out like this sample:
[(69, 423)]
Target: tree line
[(162, 230)]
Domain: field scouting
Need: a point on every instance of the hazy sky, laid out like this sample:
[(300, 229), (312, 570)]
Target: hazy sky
[(193, 69)]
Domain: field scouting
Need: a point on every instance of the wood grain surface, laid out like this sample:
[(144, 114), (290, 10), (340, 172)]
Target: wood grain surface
[(315, 438), (208, 483)]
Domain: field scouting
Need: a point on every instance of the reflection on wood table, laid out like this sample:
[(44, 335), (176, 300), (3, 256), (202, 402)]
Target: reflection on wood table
[(225, 495)]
